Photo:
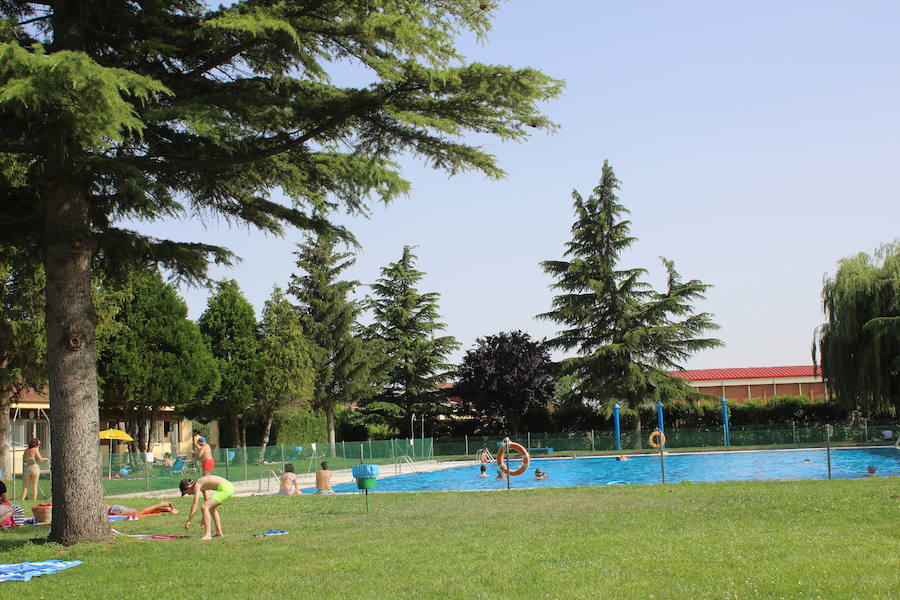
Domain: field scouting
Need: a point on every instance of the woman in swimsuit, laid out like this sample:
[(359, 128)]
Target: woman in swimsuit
[(31, 470), (289, 484)]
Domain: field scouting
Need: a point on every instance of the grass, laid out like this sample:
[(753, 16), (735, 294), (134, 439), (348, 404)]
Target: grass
[(804, 539)]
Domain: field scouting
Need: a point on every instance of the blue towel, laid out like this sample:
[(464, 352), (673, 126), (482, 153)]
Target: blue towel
[(365, 471), (26, 570), (271, 532)]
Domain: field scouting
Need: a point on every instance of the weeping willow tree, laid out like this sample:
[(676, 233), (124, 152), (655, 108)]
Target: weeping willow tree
[(860, 341)]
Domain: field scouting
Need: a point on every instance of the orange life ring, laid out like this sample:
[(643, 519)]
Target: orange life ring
[(652, 439), (518, 448)]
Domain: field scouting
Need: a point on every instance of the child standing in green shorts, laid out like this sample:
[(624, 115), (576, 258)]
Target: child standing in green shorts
[(221, 489)]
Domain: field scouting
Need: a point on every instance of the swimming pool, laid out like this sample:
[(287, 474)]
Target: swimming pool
[(771, 465)]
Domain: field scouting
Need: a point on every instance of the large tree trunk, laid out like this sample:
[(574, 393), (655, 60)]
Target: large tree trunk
[(265, 437), (71, 359), (6, 462), (235, 428), (329, 425), (141, 437)]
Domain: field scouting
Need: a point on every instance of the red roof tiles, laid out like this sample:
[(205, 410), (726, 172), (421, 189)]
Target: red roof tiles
[(747, 373)]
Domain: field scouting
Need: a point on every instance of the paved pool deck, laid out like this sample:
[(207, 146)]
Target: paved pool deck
[(269, 486)]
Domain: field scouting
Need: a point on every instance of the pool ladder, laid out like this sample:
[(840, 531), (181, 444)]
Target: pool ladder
[(268, 476), (403, 458)]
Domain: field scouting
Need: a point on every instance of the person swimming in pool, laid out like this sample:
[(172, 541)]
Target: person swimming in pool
[(622, 458), (538, 474), (483, 472), (871, 471), (222, 490), (501, 476)]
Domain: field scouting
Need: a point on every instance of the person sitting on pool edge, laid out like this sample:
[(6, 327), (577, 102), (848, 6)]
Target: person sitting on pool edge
[(538, 474), (483, 472), (289, 482), (323, 480), (222, 490)]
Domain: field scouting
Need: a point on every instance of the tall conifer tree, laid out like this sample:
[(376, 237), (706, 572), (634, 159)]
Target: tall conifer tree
[(23, 343), (626, 335), (288, 375), (328, 317), (230, 328), (860, 341), (144, 110), (153, 355), (405, 324)]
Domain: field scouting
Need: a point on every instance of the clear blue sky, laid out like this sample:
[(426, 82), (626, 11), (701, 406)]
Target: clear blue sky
[(757, 144)]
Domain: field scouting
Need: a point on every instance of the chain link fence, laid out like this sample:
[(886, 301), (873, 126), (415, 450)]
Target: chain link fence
[(124, 473)]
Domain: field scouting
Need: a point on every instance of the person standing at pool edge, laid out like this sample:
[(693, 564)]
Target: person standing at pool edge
[(204, 455), (222, 490)]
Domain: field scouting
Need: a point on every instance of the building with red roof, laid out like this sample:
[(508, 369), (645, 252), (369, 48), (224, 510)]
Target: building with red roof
[(756, 383)]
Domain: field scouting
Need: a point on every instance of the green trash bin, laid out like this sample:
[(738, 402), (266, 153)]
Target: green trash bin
[(366, 483), (365, 476)]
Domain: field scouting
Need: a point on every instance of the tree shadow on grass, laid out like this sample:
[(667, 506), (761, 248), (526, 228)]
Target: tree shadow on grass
[(18, 544)]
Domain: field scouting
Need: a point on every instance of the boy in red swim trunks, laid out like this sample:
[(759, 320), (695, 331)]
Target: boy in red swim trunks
[(204, 455)]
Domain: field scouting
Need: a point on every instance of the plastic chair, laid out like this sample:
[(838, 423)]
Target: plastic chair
[(180, 467)]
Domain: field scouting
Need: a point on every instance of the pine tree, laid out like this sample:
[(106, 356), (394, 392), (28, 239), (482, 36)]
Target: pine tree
[(288, 375), (860, 341), (144, 110), (154, 356), (229, 326), (626, 335), (23, 347), (405, 322), (328, 317)]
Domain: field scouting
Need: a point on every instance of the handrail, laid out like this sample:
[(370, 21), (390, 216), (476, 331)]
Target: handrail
[(399, 463), (269, 475), (480, 452)]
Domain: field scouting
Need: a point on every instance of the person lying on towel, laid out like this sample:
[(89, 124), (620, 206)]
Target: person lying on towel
[(157, 509)]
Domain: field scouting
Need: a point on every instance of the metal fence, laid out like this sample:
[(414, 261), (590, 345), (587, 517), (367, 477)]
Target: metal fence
[(761, 436), (133, 473)]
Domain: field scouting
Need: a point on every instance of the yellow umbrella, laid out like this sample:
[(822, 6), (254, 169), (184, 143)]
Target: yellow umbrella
[(115, 434)]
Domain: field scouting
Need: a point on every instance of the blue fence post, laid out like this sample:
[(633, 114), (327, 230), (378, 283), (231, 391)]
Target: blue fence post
[(725, 421), (659, 419), (618, 428)]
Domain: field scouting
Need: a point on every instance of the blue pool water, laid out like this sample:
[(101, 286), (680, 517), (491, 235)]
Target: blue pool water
[(774, 465)]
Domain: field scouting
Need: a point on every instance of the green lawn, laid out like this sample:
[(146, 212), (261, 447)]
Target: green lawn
[(806, 539)]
